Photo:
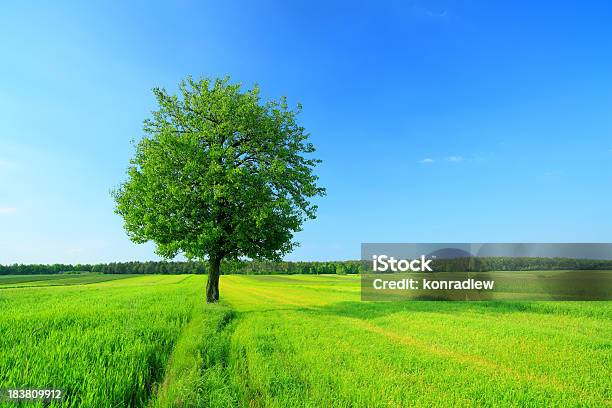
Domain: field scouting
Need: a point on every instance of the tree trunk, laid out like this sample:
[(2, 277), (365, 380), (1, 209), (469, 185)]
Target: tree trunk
[(212, 286)]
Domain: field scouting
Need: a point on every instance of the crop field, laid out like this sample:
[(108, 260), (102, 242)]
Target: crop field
[(295, 341), (11, 281)]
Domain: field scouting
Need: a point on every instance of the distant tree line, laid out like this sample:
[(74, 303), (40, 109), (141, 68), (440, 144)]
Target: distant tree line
[(151, 267), (506, 263), (289, 268), (165, 267), (313, 268)]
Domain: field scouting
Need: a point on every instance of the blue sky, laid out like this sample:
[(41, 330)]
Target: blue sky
[(436, 121)]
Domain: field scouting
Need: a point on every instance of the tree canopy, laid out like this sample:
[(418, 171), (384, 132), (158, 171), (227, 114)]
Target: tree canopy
[(219, 174)]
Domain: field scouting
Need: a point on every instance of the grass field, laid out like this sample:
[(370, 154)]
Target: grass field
[(16, 281), (282, 341)]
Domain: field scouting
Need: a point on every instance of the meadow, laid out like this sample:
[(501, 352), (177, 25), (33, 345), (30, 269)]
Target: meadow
[(296, 341)]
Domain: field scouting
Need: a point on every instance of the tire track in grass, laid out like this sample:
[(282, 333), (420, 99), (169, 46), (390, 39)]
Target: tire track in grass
[(425, 391), (551, 348), (384, 370), (196, 373), (478, 362), (292, 298), (408, 340), (275, 298), (470, 359)]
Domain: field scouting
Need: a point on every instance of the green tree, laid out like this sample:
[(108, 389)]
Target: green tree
[(219, 175)]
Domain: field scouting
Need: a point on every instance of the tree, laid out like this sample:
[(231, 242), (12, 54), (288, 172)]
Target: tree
[(219, 175)]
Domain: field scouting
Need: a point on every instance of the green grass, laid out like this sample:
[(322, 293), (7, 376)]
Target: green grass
[(17, 281), (106, 344), (197, 373), (299, 341)]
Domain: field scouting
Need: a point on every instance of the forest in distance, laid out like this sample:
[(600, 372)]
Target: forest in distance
[(475, 264)]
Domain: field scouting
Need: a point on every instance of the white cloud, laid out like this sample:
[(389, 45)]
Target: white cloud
[(442, 13), (7, 210), (454, 159)]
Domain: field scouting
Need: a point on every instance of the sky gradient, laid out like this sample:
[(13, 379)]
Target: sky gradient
[(435, 121)]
